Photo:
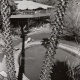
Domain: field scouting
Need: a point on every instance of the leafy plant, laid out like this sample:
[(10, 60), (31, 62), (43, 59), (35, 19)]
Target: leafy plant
[(72, 22), (59, 71), (45, 42), (75, 72)]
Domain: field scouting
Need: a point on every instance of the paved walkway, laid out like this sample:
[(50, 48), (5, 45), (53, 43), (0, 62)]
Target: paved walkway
[(70, 49), (75, 51)]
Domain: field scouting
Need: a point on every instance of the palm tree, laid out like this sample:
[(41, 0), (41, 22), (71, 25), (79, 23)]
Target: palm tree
[(53, 41), (6, 12)]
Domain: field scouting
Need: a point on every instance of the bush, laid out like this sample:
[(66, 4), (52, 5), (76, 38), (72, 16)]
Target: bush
[(72, 22), (60, 70)]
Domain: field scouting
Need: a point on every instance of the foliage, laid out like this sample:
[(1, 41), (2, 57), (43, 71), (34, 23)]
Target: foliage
[(15, 31), (72, 22), (45, 42), (0, 21), (76, 72), (59, 71)]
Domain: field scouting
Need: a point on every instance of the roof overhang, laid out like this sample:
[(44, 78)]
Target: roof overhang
[(30, 16)]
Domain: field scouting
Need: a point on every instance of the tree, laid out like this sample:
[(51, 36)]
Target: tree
[(5, 12), (58, 25)]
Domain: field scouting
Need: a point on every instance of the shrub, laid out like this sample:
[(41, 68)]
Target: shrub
[(72, 22), (59, 71)]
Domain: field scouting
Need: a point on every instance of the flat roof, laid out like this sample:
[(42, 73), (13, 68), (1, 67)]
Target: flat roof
[(30, 5), (27, 16)]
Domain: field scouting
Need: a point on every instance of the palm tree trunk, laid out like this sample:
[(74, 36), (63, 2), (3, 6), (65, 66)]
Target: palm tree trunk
[(53, 41), (5, 12)]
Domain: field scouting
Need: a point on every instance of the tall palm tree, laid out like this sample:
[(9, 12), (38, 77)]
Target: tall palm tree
[(53, 41), (6, 12)]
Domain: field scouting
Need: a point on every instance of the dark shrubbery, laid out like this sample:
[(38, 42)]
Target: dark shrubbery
[(71, 34), (60, 70)]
